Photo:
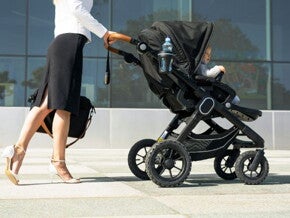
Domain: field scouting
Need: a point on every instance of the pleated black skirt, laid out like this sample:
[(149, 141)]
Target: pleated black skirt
[(63, 74)]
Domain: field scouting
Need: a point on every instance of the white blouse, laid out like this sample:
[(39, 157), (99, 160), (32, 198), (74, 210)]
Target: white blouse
[(73, 16)]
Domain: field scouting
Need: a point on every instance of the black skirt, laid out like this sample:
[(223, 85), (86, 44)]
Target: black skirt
[(63, 74)]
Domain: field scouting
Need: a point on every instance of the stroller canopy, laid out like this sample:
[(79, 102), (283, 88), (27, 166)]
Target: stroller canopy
[(189, 41)]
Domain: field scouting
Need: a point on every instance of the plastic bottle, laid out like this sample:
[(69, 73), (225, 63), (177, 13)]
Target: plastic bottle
[(166, 56), (167, 45)]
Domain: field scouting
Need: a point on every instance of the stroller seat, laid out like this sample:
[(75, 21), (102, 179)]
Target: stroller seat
[(245, 114), (224, 93)]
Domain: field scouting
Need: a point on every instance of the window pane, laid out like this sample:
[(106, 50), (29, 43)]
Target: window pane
[(12, 25), (130, 88), (36, 68), (281, 30), (250, 81), (281, 87), (93, 82), (100, 11), (11, 77), (144, 13), (41, 26), (240, 30)]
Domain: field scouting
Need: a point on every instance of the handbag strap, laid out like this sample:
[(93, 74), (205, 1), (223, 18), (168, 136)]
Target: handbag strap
[(87, 126), (88, 123)]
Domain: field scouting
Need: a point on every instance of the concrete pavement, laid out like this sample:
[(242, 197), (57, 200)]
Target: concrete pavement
[(109, 189)]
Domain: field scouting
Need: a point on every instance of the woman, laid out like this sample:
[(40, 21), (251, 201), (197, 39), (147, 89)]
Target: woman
[(60, 88)]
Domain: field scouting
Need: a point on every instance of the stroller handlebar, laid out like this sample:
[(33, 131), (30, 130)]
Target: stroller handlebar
[(120, 37)]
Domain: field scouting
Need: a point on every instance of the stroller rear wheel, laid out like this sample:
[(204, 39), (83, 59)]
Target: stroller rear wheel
[(244, 171), (224, 164), (137, 155), (173, 158)]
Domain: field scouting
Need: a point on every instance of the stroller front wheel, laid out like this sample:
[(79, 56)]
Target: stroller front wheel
[(173, 158), (244, 171)]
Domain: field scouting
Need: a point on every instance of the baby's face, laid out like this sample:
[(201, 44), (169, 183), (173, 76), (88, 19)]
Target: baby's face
[(207, 55)]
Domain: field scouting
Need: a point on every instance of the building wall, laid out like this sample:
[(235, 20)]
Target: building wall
[(121, 128)]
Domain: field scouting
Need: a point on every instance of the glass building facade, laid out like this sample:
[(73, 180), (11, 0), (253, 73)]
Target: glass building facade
[(249, 39)]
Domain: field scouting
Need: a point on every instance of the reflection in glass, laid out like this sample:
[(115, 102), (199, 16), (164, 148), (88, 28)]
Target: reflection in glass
[(143, 14), (250, 81), (93, 82), (36, 68), (236, 36), (100, 11), (12, 25), (281, 87), (281, 30), (41, 26), (130, 88), (11, 76)]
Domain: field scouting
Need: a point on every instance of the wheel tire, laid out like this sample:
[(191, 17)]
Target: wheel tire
[(139, 149), (221, 168), (247, 176), (167, 155)]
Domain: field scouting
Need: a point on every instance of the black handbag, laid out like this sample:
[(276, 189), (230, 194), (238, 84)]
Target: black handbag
[(78, 124)]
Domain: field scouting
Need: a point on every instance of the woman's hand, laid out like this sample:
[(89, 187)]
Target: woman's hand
[(107, 41)]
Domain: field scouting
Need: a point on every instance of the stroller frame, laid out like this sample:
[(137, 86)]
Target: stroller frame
[(168, 162)]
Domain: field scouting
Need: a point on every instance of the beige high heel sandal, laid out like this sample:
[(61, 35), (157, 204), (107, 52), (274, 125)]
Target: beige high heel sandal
[(53, 171), (8, 153)]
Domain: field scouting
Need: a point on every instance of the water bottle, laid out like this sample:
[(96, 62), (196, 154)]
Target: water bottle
[(166, 57), (167, 45)]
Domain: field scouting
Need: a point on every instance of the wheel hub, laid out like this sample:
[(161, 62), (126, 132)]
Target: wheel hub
[(168, 164)]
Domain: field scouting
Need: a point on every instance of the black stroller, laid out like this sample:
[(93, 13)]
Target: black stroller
[(167, 160)]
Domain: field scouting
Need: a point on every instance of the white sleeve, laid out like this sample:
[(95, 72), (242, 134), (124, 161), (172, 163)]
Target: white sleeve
[(213, 72), (85, 18)]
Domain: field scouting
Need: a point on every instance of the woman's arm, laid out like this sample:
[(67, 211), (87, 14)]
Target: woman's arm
[(86, 19)]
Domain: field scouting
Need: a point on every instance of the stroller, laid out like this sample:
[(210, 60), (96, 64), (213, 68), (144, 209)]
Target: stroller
[(193, 99)]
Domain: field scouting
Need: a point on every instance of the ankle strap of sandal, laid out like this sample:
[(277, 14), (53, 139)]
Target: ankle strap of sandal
[(21, 148), (60, 161)]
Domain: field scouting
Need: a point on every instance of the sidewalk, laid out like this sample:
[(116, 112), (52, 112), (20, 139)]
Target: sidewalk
[(109, 189)]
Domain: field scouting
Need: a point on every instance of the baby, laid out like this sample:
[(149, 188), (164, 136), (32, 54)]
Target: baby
[(212, 72), (203, 68)]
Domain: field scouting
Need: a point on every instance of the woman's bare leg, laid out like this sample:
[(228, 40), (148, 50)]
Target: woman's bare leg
[(60, 130), (32, 122)]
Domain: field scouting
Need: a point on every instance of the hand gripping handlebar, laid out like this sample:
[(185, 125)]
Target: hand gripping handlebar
[(120, 37), (129, 58)]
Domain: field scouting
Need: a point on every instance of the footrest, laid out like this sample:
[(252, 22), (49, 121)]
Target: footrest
[(245, 114)]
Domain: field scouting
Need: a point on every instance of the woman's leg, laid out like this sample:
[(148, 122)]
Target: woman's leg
[(32, 122), (60, 128)]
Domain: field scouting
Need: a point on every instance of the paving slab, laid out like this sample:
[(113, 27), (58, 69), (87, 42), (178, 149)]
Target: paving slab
[(109, 189)]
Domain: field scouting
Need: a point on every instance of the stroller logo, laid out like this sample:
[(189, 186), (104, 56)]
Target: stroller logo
[(206, 106)]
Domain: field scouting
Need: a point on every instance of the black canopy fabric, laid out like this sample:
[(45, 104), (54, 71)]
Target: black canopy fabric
[(189, 41)]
